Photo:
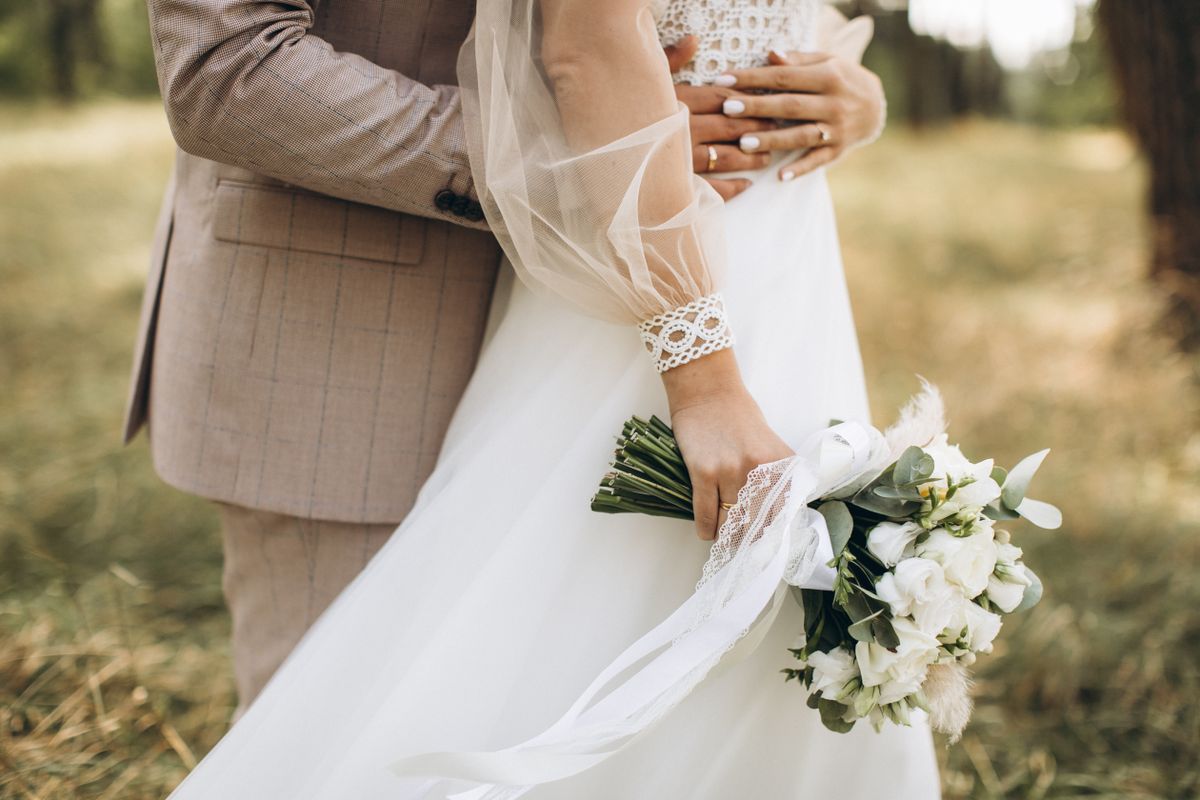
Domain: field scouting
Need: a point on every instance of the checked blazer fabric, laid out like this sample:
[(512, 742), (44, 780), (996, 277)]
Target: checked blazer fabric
[(322, 271)]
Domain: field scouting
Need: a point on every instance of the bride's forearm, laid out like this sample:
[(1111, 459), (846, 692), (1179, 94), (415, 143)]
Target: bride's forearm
[(697, 382), (610, 79)]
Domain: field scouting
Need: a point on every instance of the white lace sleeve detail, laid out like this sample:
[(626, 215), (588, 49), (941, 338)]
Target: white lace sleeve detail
[(684, 334)]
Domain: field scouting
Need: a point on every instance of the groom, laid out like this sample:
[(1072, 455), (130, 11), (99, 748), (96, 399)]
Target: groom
[(322, 273)]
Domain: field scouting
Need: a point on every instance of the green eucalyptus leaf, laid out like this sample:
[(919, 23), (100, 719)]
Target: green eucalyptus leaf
[(840, 524), (908, 466), (885, 634), (1041, 514), (1033, 592), (858, 607), (864, 629), (813, 700), (884, 506), (1017, 482), (997, 511), (999, 474), (924, 468), (898, 493), (831, 716)]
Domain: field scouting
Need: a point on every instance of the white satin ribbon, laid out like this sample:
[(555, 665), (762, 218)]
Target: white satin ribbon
[(679, 653)]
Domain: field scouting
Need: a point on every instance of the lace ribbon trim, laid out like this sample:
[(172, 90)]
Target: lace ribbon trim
[(684, 334)]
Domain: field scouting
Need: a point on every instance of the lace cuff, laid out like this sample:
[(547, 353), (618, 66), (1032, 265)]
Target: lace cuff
[(684, 334)]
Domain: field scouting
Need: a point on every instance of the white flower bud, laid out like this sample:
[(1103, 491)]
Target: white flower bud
[(890, 541)]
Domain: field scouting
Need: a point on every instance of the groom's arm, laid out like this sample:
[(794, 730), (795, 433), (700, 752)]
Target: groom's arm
[(245, 83)]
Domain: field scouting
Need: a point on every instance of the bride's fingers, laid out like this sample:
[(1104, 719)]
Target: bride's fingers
[(708, 158), (704, 508), (781, 106), (813, 159), (727, 496), (797, 137), (815, 72)]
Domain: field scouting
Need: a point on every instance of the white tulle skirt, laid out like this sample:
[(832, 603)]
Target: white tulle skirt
[(502, 595)]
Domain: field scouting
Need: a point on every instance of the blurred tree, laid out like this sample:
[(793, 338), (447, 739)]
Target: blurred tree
[(74, 35), (1155, 48), (927, 80), (75, 48)]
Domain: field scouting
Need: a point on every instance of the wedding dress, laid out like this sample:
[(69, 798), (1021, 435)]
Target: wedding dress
[(502, 595)]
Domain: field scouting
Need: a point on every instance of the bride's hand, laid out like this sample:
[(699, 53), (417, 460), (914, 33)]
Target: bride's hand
[(721, 432)]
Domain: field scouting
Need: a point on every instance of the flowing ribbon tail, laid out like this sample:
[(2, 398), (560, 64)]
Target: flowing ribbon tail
[(723, 622), (629, 710)]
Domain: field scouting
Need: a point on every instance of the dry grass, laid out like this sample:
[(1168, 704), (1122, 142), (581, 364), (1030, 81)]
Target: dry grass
[(1016, 254)]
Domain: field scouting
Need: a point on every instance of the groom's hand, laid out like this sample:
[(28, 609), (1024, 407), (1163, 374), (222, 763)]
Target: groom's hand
[(839, 101), (712, 128)]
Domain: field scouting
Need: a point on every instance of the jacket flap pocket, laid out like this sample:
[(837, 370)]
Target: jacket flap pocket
[(293, 219)]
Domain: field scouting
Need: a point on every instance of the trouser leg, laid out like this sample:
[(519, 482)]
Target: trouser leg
[(280, 573)]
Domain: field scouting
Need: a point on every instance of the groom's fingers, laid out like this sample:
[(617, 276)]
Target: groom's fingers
[(718, 128), (729, 188), (680, 53), (703, 99), (729, 158)]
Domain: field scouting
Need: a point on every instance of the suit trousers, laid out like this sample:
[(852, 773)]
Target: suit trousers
[(281, 573)]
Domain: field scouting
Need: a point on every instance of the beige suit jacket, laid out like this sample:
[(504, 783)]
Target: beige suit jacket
[(321, 273)]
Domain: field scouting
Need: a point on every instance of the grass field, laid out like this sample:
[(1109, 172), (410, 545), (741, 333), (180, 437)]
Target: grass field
[(1003, 263)]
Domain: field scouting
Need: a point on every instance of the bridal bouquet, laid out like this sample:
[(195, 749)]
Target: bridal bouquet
[(921, 576)]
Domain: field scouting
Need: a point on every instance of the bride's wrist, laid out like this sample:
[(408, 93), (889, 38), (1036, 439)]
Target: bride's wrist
[(703, 380)]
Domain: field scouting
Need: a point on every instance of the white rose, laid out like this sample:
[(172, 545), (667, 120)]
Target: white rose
[(832, 672), (889, 541), (901, 672), (918, 588), (1007, 585), (976, 626), (967, 561)]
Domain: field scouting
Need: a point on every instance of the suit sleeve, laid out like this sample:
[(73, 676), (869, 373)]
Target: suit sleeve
[(245, 83)]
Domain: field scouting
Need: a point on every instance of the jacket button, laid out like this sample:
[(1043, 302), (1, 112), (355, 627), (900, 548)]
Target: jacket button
[(460, 206), (474, 212), (444, 199)]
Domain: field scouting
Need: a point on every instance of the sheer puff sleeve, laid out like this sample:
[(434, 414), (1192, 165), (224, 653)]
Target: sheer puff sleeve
[(588, 184)]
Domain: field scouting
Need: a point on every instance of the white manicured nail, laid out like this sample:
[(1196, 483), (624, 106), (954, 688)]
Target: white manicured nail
[(749, 143), (787, 175), (733, 107), (725, 80)]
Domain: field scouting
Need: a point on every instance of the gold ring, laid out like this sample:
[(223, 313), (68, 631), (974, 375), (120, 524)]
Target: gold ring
[(726, 506), (825, 137), (712, 159)]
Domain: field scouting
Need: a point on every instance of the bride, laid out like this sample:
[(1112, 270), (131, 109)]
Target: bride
[(502, 595)]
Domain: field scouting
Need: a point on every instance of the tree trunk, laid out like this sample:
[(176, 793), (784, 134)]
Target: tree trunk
[(74, 35), (64, 57), (1155, 48)]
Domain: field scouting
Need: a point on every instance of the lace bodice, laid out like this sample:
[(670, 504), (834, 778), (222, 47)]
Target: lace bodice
[(735, 34)]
